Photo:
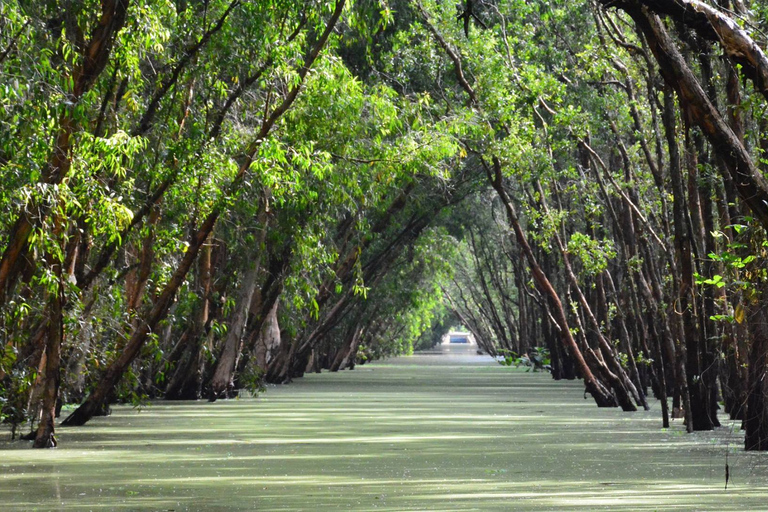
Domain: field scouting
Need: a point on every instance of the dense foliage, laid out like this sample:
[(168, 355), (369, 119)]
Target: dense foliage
[(200, 197)]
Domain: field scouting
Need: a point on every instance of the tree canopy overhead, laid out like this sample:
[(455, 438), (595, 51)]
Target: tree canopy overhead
[(201, 197)]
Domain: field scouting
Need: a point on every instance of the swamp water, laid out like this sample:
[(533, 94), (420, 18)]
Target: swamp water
[(429, 432)]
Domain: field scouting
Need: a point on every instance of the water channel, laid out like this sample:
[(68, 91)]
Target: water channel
[(445, 430)]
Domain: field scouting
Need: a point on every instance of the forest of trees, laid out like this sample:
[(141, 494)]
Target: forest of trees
[(202, 196)]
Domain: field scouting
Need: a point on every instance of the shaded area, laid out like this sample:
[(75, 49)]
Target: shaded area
[(428, 432)]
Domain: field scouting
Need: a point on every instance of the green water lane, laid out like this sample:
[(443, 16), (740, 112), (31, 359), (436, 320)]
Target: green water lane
[(427, 432)]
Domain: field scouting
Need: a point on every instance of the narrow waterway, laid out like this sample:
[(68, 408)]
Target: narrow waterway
[(429, 432)]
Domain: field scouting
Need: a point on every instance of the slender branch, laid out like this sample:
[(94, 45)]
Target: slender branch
[(149, 114)]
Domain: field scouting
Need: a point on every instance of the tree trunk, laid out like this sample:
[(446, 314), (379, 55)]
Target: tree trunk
[(223, 375), (343, 356), (185, 383), (225, 366), (756, 421), (270, 341), (45, 433)]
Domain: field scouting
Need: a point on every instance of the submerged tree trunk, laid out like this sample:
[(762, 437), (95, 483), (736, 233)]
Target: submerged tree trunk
[(269, 341), (45, 433), (186, 380), (348, 350), (225, 366)]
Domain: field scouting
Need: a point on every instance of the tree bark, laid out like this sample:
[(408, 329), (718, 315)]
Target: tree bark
[(45, 437), (756, 419)]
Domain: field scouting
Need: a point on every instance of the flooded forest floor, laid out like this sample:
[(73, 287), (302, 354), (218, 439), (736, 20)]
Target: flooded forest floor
[(429, 432)]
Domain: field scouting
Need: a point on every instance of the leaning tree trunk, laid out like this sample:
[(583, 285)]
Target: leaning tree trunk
[(270, 347), (225, 365), (351, 359), (343, 355)]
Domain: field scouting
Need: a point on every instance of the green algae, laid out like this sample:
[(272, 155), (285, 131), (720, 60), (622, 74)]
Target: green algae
[(419, 433)]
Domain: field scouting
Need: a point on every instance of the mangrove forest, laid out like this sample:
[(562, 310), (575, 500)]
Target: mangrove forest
[(210, 199)]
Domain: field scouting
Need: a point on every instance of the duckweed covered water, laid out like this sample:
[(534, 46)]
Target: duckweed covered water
[(422, 433)]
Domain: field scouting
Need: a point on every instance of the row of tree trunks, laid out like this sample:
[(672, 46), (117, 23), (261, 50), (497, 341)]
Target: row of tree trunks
[(602, 396), (739, 171), (294, 357), (186, 382), (623, 387)]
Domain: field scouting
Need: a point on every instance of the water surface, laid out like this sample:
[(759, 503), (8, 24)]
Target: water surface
[(432, 432)]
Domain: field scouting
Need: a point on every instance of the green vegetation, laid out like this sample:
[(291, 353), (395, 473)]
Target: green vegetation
[(202, 197), (537, 359)]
